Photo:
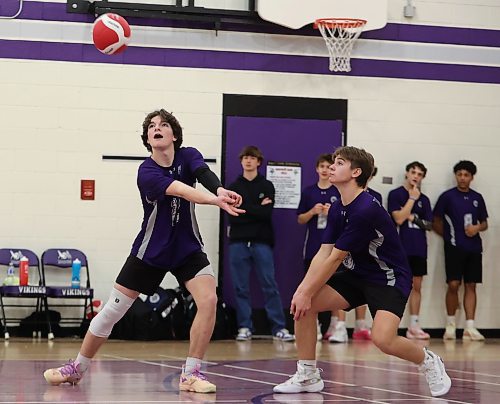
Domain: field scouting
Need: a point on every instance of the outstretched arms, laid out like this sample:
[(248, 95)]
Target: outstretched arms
[(226, 200)]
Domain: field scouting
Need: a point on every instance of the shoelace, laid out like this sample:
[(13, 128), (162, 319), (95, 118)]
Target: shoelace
[(199, 375), (69, 369), (301, 376), (431, 374)]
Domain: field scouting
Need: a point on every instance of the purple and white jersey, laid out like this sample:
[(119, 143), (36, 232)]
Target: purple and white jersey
[(459, 209), (413, 238), (314, 234), (169, 231), (365, 229), (375, 194)]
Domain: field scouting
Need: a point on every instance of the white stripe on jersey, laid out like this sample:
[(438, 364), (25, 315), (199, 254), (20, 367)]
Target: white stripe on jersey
[(389, 272), (453, 241), (148, 232)]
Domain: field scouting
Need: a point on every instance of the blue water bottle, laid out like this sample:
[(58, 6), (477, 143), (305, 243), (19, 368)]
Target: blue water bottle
[(75, 277)]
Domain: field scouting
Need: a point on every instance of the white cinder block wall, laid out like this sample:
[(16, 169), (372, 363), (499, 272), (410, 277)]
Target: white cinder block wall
[(57, 119)]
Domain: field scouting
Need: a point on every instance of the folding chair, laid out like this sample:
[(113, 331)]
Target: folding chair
[(57, 275), (34, 290)]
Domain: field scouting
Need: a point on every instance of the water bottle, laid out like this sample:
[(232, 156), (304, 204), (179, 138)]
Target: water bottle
[(75, 277), (10, 270), (24, 266), (10, 279)]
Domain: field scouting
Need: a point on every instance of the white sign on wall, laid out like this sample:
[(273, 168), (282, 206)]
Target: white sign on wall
[(285, 177)]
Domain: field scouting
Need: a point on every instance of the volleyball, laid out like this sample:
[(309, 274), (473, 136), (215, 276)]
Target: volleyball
[(97, 305), (111, 34)]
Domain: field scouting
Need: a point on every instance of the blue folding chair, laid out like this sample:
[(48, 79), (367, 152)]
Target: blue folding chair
[(35, 290), (57, 275)]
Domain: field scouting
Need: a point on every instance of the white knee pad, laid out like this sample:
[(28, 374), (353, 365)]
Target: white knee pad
[(116, 307)]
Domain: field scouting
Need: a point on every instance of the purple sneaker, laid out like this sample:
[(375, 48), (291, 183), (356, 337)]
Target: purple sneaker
[(68, 373)]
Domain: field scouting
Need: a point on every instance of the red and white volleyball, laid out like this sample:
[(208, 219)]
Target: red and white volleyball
[(111, 34), (96, 305)]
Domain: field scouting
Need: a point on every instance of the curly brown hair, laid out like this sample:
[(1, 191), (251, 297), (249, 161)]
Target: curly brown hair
[(167, 117)]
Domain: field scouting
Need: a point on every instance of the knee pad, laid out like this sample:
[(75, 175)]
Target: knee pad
[(116, 307)]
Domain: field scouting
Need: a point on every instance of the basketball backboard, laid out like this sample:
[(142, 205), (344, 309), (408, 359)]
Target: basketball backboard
[(297, 13)]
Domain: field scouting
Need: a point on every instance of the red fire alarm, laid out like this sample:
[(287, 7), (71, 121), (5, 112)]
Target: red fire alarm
[(87, 190)]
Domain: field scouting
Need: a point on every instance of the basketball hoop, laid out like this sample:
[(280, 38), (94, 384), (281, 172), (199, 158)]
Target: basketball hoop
[(339, 35)]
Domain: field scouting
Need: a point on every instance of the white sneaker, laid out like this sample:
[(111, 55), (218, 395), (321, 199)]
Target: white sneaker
[(472, 334), (451, 332), (284, 335), (244, 334), (303, 381), (329, 332), (339, 334), (433, 369), (320, 336)]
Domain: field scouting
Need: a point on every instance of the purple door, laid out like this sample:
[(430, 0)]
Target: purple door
[(284, 140)]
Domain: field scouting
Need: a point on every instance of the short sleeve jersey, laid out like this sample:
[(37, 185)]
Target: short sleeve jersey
[(365, 229), (314, 234), (459, 209), (169, 232), (413, 238)]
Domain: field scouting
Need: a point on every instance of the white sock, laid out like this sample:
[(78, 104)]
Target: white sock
[(469, 324), (360, 324), (333, 321), (191, 364), (83, 361), (340, 324), (450, 320), (413, 321), (307, 365)]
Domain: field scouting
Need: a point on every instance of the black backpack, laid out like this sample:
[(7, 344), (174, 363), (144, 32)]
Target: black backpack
[(37, 321), (159, 317), (225, 320)]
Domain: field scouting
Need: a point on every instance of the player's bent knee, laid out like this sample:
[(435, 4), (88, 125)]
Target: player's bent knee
[(116, 307), (382, 342)]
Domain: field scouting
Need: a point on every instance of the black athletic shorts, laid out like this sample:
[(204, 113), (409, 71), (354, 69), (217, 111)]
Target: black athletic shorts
[(418, 265), (461, 264), (358, 292), (141, 277)]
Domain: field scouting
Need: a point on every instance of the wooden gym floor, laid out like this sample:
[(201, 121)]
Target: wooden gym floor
[(244, 372)]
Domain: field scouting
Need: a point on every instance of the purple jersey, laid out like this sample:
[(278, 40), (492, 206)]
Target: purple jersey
[(367, 232), (413, 238), (169, 232), (458, 209), (311, 196), (375, 194)]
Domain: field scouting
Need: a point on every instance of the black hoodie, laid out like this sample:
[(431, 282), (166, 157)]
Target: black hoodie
[(256, 224)]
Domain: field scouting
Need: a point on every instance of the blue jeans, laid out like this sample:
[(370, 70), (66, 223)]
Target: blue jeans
[(242, 256)]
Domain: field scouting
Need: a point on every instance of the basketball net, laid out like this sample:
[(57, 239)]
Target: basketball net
[(340, 35)]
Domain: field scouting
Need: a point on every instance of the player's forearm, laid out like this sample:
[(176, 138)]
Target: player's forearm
[(400, 216), (303, 218), (483, 226), (423, 224), (437, 225), (191, 194), (322, 268)]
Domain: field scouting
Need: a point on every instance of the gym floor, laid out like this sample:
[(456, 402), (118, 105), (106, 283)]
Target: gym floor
[(245, 372)]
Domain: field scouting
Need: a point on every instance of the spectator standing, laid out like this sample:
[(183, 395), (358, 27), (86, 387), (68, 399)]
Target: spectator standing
[(251, 240), (411, 210), (459, 216)]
